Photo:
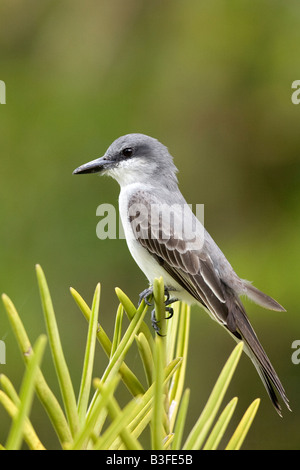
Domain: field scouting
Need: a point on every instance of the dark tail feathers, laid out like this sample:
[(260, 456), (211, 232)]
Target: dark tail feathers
[(255, 351)]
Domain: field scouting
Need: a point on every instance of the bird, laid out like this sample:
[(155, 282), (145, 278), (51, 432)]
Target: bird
[(166, 239)]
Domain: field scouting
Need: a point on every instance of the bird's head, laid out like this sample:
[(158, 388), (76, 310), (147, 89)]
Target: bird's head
[(134, 158)]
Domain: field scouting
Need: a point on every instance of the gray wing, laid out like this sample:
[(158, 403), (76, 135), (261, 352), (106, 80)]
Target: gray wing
[(180, 251)]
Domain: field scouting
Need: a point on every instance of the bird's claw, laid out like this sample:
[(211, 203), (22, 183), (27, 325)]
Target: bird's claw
[(155, 323), (171, 312), (145, 296)]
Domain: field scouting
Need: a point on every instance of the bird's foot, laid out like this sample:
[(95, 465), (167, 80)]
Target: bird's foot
[(169, 301), (146, 294), (155, 323)]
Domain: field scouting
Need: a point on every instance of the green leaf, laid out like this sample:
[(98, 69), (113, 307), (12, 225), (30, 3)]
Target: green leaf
[(172, 331), (125, 343), (144, 409), (29, 434), (178, 379), (180, 421), (241, 431), (118, 330), (45, 394), (119, 426), (86, 379), (9, 389), (128, 377), (146, 356), (107, 391), (136, 426), (168, 441), (14, 439), (60, 364), (118, 357), (158, 405), (11, 402), (202, 426), (220, 426)]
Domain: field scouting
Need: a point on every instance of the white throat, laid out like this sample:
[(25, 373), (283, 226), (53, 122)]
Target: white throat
[(132, 171)]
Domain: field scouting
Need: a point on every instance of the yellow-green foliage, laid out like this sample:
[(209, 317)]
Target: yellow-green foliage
[(100, 422)]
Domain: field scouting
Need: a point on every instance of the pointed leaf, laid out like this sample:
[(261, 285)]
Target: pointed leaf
[(202, 426), (241, 431), (220, 426)]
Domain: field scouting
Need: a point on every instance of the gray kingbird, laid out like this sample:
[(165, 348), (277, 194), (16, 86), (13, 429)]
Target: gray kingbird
[(177, 247)]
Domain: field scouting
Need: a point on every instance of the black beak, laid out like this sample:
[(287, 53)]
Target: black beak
[(95, 166)]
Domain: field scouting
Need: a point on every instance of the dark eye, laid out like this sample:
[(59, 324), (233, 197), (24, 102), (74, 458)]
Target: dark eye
[(127, 152)]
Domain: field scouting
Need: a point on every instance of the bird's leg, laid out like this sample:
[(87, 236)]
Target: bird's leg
[(169, 301), (155, 323), (149, 293), (144, 296)]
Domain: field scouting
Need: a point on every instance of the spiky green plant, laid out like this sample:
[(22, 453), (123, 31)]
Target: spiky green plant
[(162, 405)]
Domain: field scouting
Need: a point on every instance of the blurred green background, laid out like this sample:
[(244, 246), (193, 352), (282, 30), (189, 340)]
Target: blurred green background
[(212, 81)]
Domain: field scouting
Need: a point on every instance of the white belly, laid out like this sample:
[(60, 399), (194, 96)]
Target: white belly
[(146, 262)]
